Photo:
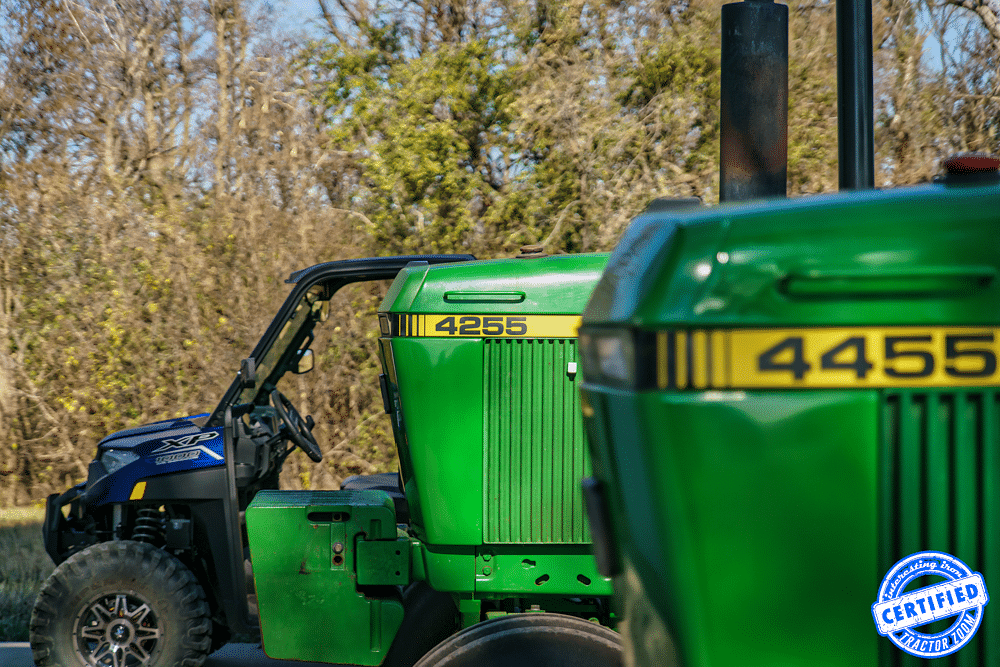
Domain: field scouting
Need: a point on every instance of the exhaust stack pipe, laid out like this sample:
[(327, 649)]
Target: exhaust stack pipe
[(754, 105), (855, 96)]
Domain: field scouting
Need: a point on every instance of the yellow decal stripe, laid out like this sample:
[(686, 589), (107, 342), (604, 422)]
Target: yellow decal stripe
[(700, 352), (844, 357), (681, 359)]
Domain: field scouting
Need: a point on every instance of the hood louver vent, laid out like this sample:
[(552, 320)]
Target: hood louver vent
[(940, 490), (535, 454)]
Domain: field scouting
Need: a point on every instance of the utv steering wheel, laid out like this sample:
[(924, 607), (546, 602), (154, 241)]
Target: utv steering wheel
[(296, 428)]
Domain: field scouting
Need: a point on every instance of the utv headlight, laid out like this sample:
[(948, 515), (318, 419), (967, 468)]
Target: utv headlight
[(116, 459), (621, 358)]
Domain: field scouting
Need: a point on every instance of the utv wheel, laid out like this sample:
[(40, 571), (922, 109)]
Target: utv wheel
[(120, 604), (529, 640)]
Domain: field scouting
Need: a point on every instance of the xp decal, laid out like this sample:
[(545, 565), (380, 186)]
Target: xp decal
[(846, 357), (962, 596), (187, 448)]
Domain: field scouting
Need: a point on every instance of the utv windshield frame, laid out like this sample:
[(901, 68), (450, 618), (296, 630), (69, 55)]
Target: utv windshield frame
[(294, 322)]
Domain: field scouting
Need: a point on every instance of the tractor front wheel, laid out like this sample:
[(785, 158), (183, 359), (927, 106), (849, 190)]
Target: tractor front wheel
[(121, 604), (529, 640)]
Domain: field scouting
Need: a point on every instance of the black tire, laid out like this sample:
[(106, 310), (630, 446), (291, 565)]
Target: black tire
[(126, 592), (529, 640), (430, 617)]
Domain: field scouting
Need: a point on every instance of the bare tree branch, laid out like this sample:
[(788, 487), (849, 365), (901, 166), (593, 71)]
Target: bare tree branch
[(988, 11)]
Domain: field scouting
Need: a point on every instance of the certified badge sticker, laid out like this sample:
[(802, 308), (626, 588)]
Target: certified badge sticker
[(961, 596)]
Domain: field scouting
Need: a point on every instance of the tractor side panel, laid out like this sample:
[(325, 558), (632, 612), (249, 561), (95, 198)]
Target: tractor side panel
[(440, 388), (756, 500)]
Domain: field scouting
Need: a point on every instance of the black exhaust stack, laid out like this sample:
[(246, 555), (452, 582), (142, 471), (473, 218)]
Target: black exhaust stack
[(754, 109), (855, 97)]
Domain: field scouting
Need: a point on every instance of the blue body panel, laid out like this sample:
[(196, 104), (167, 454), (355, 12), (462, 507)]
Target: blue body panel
[(162, 448)]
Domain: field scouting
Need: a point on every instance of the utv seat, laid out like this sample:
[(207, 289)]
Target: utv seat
[(390, 482)]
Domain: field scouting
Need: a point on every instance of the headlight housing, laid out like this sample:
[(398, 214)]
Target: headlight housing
[(116, 459), (622, 358)]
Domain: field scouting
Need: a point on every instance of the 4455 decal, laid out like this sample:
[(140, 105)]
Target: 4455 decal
[(828, 357)]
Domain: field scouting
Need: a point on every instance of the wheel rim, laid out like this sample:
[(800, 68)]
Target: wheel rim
[(116, 630)]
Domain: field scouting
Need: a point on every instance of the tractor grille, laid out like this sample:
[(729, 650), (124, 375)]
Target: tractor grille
[(940, 490), (535, 454)]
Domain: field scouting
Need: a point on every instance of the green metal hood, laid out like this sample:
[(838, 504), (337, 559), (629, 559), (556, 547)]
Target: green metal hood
[(782, 400), (552, 285), (897, 257)]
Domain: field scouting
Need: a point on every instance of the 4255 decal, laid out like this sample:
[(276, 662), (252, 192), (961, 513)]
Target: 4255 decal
[(480, 325)]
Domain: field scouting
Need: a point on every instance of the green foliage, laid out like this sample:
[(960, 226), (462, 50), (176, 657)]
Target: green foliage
[(147, 222), (553, 125), (150, 323), (812, 100), (426, 132)]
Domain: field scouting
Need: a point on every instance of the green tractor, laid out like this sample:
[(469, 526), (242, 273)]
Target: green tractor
[(480, 384), (785, 399), (794, 419), (180, 536)]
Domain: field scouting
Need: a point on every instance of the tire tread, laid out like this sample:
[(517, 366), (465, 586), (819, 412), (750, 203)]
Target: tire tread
[(51, 644), (571, 641)]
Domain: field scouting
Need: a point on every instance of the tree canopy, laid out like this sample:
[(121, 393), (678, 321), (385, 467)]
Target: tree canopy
[(165, 164)]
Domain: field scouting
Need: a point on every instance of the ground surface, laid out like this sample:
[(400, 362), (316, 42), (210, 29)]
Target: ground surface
[(233, 655)]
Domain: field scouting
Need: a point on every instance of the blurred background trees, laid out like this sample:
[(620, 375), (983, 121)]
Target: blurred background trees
[(165, 164)]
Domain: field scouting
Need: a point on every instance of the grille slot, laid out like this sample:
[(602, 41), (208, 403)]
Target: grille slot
[(940, 490), (535, 454)]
